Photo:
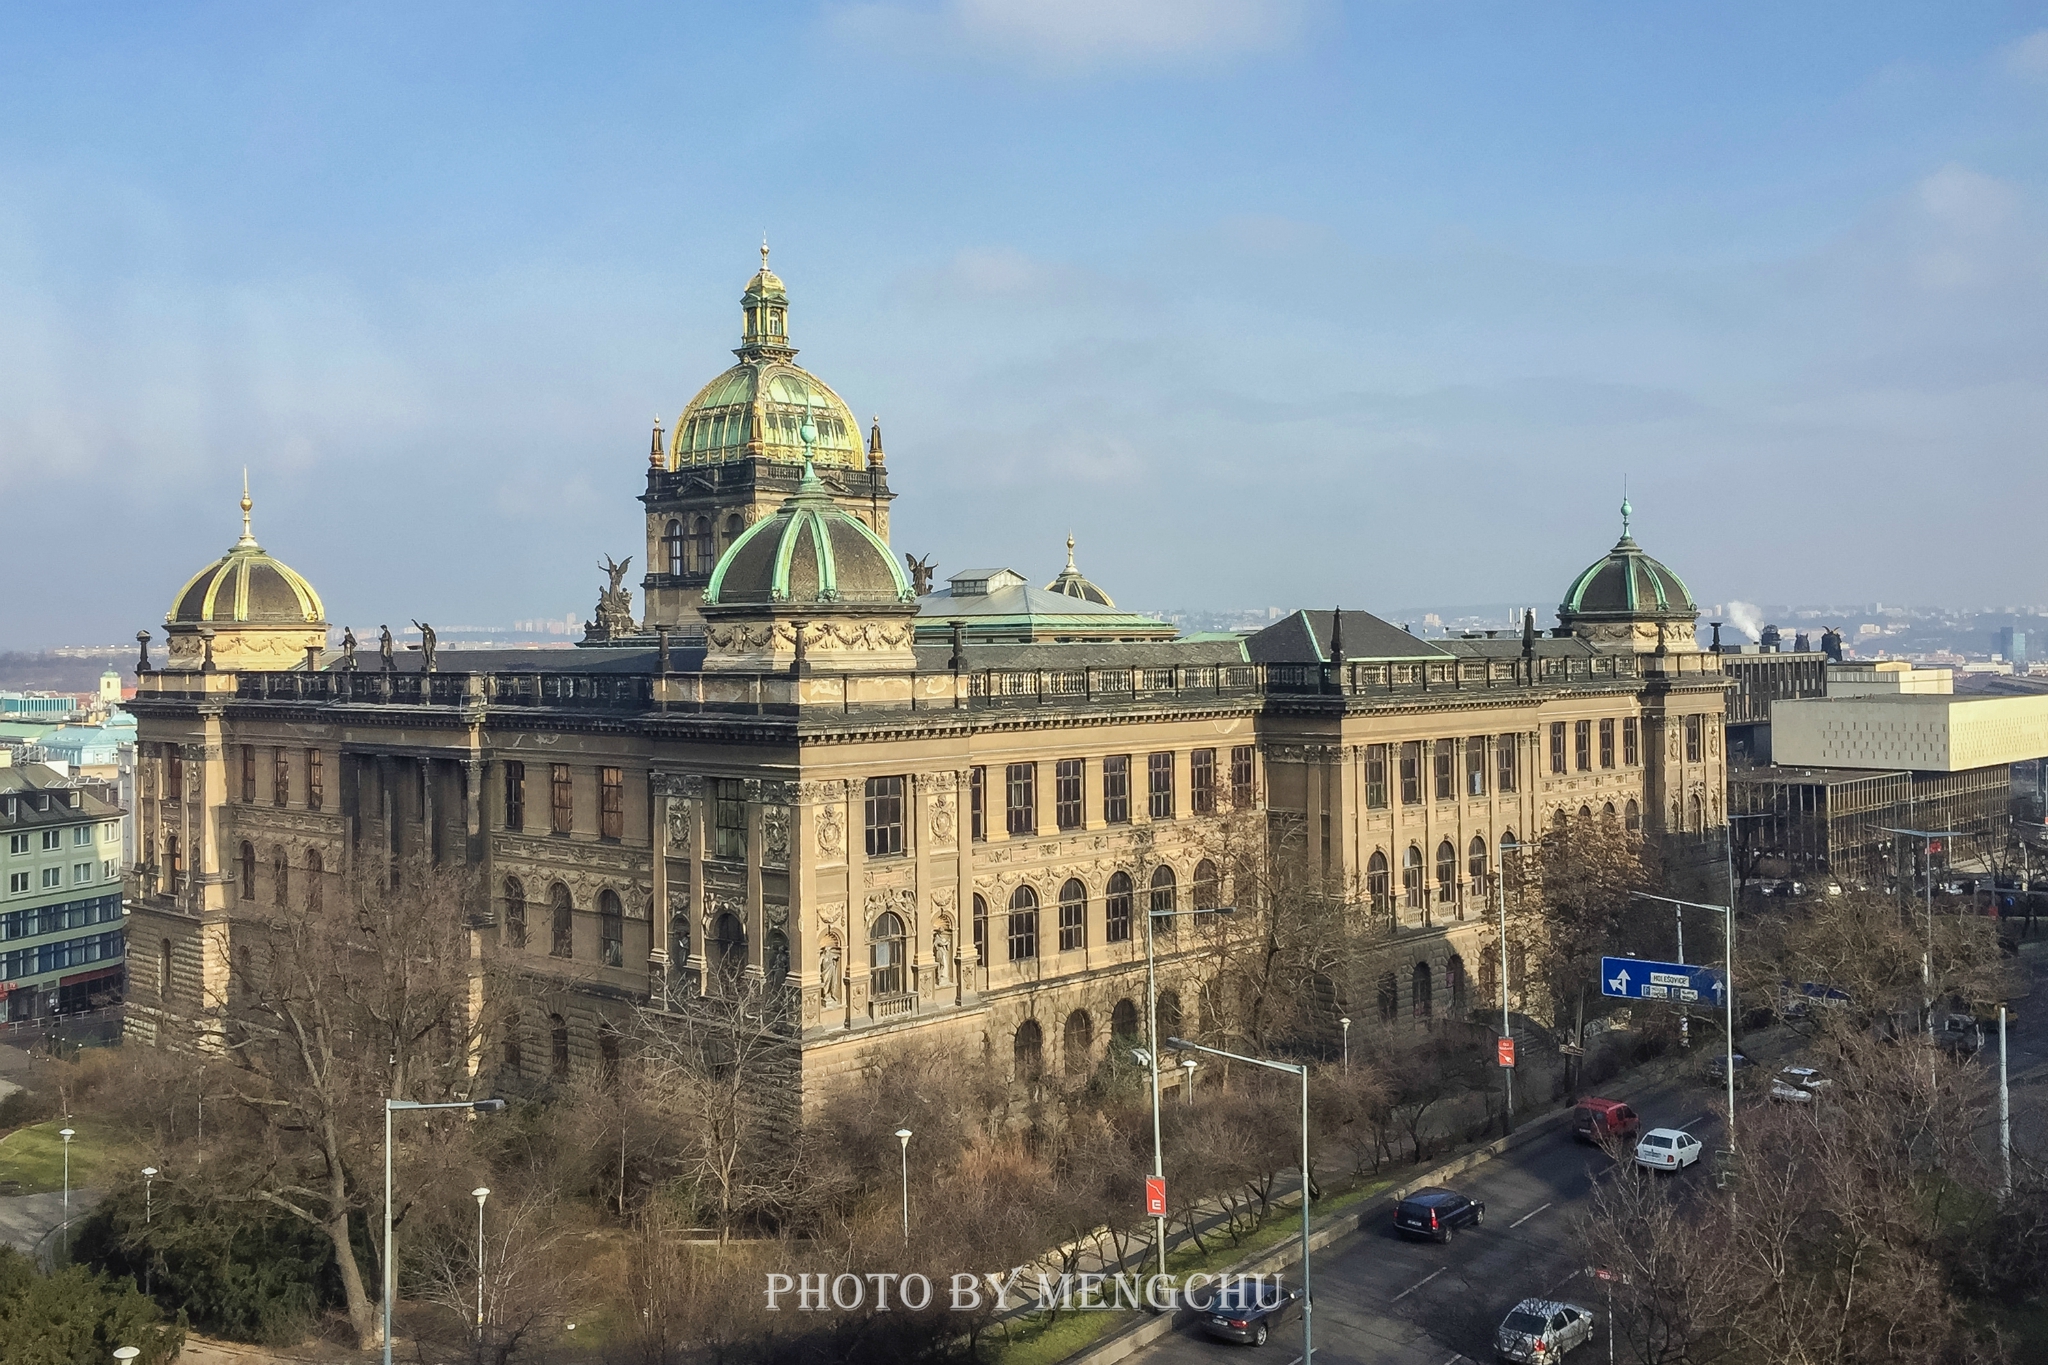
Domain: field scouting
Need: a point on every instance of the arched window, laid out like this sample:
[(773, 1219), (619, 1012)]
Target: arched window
[(1585, 812), (1447, 871), (515, 912), (980, 930), (1208, 888), (775, 957), (1475, 861), (1073, 915), (248, 871), (885, 955), (733, 527), (1379, 883), (1489, 980), (1123, 1022), (611, 929), (1424, 1005), (1412, 889), (607, 1055), (171, 870), (1023, 924), (1607, 815), (1169, 1015), (563, 942), (1454, 984), (728, 947), (1078, 1043), (706, 546), (316, 874), (245, 974), (1389, 999), (280, 878), (513, 1056), (1694, 821), (1027, 1051), (163, 970), (672, 547), (558, 1045), (1559, 821), (1116, 909), (1164, 896)]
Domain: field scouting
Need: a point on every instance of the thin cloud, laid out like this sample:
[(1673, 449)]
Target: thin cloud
[(2029, 56), (1081, 36)]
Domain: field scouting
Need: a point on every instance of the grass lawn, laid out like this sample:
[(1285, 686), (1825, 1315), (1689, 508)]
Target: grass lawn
[(34, 1156)]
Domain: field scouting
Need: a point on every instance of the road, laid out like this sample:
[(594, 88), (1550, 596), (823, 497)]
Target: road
[(1386, 1300)]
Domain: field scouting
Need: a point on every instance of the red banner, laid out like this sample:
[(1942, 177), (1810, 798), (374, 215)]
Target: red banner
[(1155, 1197), (1507, 1051)]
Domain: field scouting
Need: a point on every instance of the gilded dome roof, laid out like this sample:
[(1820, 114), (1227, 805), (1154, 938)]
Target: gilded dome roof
[(1071, 583), (1627, 584), (756, 407), (246, 586), (809, 554)]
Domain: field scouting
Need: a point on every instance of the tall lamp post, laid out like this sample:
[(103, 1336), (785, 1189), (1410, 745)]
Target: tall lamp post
[(903, 1136), (148, 1210), (1344, 1025), (1308, 1334), (1926, 838), (480, 1193), (67, 1134), (1727, 994), (390, 1266), (1149, 1054)]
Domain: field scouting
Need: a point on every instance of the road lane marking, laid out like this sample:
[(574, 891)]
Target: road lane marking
[(1562, 1283), (1417, 1285), (1688, 1127), (1530, 1214)]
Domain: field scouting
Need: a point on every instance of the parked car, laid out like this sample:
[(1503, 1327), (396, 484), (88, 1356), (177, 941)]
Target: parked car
[(1436, 1212), (1716, 1068), (1798, 1084), (1249, 1311), (1961, 1034), (1540, 1330), (1594, 1120), (1667, 1149)]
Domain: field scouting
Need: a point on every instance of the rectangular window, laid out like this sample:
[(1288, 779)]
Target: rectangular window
[(248, 773), (1475, 766), (1631, 741), (1159, 785), (17, 843), (109, 870), (1116, 789), (1607, 742), (562, 790), (53, 877), (1692, 739), (1411, 773), (1020, 798), (885, 816), (1073, 924), (1066, 794), (1582, 745), (1202, 782), (280, 776), (515, 796), (611, 803), (53, 838), (1504, 763), (81, 835), (17, 883), (1242, 775), (316, 780), (977, 802), (81, 873), (729, 832), (1376, 776), (1446, 756), (174, 776), (1557, 746)]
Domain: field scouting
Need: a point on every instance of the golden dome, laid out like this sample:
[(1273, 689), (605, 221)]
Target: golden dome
[(246, 586), (757, 408)]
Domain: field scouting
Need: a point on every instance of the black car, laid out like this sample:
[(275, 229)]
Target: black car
[(1435, 1211), (1250, 1309)]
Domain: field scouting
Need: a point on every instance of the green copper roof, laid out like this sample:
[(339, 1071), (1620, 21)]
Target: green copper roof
[(1626, 583), (809, 553)]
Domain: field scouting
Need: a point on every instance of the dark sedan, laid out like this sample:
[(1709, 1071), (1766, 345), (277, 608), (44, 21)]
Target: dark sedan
[(1434, 1212), (1250, 1310)]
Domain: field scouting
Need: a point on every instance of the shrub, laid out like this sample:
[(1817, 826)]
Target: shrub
[(76, 1317)]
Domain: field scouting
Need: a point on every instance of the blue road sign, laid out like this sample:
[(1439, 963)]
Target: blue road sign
[(1632, 978)]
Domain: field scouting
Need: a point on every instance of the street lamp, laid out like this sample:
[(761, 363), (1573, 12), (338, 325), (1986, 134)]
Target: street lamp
[(1727, 995), (67, 1134), (390, 1267), (1308, 1337), (148, 1209), (1927, 838), (1187, 1087), (1149, 1054), (1345, 1025), (124, 1354), (903, 1136), (480, 1193)]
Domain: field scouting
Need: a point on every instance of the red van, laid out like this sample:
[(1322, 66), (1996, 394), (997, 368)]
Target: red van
[(1595, 1120)]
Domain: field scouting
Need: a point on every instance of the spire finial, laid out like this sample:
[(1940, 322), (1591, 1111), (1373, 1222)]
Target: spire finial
[(1626, 512), (764, 251), (247, 537), (1070, 552)]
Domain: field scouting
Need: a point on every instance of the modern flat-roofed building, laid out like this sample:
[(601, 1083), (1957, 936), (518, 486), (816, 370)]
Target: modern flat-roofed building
[(61, 939)]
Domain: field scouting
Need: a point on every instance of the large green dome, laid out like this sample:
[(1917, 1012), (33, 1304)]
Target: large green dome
[(1627, 585)]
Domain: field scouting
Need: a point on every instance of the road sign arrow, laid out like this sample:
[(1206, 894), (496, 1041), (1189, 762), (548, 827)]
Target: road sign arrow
[(1620, 980)]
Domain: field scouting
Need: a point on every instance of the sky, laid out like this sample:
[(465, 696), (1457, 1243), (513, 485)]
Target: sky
[(1267, 302)]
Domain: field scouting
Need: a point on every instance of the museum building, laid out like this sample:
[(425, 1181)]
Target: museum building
[(931, 813)]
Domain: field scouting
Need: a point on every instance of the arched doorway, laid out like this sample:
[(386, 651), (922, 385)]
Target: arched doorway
[(1027, 1051), (1454, 985), (1423, 988), (1076, 1047)]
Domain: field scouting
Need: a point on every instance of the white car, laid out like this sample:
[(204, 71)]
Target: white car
[(1798, 1085), (1667, 1149)]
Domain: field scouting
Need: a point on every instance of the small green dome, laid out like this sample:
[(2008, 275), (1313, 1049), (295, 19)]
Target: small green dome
[(809, 554), (1627, 584)]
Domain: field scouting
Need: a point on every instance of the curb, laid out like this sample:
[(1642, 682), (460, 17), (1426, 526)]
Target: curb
[(1127, 1342)]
